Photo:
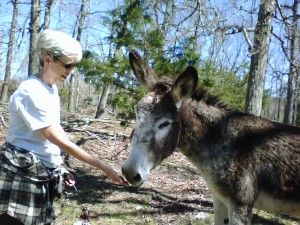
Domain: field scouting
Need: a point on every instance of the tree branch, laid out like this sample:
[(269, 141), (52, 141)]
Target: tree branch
[(3, 121), (284, 50), (229, 30), (245, 32)]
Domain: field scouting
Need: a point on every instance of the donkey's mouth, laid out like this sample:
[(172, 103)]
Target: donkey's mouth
[(134, 178)]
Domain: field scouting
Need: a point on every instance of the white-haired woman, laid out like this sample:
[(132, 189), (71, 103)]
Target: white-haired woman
[(31, 165)]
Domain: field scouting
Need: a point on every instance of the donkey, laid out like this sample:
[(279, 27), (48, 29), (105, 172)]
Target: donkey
[(245, 160)]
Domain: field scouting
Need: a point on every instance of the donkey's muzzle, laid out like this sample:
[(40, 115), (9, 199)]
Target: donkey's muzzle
[(133, 177)]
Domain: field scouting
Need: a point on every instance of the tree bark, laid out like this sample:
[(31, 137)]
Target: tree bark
[(102, 101), (71, 102), (74, 79), (35, 21), (291, 101), (11, 42), (47, 14), (259, 57)]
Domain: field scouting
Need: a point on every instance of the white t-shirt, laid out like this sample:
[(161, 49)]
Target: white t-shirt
[(33, 106)]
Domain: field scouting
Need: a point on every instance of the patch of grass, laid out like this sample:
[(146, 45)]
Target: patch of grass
[(110, 204), (201, 218), (66, 212), (133, 212), (104, 213), (261, 217)]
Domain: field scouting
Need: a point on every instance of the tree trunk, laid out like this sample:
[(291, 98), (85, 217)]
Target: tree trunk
[(11, 42), (47, 14), (259, 57), (81, 19), (74, 79), (35, 21), (102, 101), (290, 107), (72, 88)]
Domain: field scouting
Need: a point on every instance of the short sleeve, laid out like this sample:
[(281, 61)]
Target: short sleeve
[(36, 111)]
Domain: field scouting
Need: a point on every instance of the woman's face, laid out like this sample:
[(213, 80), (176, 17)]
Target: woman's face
[(59, 68)]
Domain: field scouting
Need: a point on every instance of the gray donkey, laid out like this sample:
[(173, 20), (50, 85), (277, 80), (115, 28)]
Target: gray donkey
[(245, 160)]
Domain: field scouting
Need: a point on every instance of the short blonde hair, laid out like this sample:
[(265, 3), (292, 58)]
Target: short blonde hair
[(56, 44)]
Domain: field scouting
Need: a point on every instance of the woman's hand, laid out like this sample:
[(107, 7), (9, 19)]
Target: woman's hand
[(115, 177), (69, 179)]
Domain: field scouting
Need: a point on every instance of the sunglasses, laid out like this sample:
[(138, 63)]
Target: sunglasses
[(67, 66)]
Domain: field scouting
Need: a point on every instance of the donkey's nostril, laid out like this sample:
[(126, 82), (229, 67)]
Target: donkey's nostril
[(132, 177), (137, 178)]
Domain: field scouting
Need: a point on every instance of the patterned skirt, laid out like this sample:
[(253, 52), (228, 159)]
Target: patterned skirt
[(27, 187)]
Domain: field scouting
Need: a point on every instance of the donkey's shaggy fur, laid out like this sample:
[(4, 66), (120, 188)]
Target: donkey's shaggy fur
[(246, 161)]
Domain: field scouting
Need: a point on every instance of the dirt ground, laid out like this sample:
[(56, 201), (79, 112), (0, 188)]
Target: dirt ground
[(175, 193)]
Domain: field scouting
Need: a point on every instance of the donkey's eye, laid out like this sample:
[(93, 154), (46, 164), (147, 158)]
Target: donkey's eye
[(164, 124)]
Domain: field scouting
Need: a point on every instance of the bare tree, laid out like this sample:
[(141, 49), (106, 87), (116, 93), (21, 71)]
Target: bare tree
[(11, 42), (35, 21), (47, 13), (293, 35), (259, 57), (74, 78), (102, 101)]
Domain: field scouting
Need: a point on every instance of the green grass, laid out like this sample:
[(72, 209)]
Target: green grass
[(130, 213)]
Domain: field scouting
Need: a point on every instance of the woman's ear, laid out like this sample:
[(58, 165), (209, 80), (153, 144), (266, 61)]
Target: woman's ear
[(46, 60)]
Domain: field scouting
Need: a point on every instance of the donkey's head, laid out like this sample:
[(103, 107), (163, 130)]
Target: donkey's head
[(157, 119)]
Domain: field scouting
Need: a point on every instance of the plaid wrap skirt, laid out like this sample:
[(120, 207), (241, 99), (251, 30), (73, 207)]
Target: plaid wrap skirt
[(27, 187)]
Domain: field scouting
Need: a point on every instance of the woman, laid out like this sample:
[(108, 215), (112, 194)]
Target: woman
[(31, 165)]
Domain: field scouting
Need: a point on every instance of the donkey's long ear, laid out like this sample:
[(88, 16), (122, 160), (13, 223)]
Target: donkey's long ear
[(185, 85), (142, 71)]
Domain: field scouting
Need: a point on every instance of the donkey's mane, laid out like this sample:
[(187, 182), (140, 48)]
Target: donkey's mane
[(202, 94)]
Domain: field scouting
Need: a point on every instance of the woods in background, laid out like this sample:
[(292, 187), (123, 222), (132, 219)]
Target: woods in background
[(246, 51)]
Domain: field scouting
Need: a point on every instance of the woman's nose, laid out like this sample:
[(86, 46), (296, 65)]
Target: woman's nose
[(71, 71)]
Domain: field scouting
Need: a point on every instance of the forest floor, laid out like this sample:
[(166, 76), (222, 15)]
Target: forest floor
[(175, 193)]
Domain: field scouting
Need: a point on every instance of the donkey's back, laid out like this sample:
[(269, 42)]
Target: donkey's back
[(251, 161), (276, 164)]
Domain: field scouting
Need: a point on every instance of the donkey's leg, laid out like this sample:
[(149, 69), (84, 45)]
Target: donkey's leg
[(220, 212), (240, 215)]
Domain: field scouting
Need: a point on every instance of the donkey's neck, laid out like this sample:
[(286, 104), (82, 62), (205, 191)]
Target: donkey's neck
[(197, 118)]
